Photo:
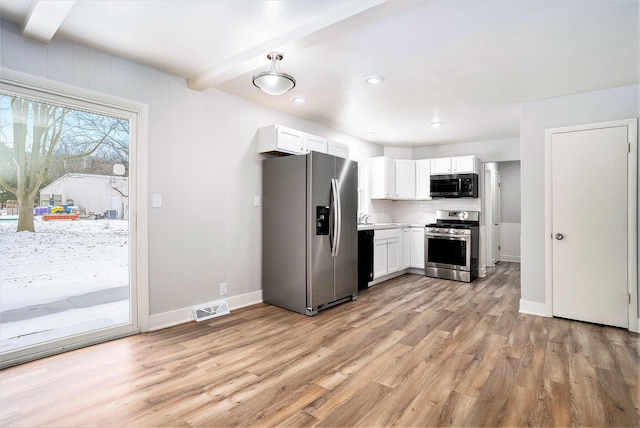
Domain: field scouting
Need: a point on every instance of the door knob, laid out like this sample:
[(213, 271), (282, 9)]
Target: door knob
[(559, 236)]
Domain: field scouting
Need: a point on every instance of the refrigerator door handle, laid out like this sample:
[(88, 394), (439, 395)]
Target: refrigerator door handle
[(337, 217)]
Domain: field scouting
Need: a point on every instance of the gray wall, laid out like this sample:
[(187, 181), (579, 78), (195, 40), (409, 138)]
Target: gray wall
[(202, 158), (509, 191), (535, 117)]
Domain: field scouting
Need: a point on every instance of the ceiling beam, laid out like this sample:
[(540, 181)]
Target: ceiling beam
[(44, 18), (341, 21)]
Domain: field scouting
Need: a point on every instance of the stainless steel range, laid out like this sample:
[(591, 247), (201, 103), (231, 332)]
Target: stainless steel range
[(451, 245)]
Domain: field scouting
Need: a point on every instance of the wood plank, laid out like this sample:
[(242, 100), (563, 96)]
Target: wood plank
[(410, 351)]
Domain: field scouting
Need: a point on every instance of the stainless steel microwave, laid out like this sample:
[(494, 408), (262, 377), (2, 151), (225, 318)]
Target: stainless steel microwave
[(454, 186)]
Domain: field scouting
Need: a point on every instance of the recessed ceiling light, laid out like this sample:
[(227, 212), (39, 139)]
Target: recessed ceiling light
[(436, 124), (374, 80), (298, 100), (369, 134)]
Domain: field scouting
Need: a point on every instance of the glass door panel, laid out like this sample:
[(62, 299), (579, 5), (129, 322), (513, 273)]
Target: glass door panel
[(64, 258)]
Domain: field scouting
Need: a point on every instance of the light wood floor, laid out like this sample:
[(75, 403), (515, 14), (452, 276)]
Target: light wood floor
[(412, 351)]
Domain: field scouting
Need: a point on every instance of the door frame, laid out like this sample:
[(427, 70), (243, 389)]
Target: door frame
[(489, 214), (632, 213), (24, 84)]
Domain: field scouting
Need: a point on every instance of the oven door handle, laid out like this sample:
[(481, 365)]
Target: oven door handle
[(447, 235)]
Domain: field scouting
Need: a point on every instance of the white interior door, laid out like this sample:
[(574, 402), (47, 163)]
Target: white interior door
[(495, 214), (492, 215), (589, 225)]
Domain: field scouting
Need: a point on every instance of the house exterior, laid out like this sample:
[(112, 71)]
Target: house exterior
[(92, 193)]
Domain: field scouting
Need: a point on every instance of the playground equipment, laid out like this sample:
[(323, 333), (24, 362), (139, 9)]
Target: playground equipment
[(48, 217)]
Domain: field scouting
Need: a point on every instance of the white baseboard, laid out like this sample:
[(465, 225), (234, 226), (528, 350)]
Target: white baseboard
[(482, 271), (183, 315), (509, 258), (387, 277), (534, 308)]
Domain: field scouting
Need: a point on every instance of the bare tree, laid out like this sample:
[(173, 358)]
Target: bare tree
[(41, 136)]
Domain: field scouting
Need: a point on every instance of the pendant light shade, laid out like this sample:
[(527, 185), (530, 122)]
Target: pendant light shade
[(274, 82)]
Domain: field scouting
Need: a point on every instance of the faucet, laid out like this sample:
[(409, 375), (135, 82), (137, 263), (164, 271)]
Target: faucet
[(363, 218)]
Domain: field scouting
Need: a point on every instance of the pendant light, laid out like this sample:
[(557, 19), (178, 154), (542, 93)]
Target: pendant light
[(274, 82)]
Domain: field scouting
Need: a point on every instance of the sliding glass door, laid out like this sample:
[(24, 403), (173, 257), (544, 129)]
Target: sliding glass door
[(65, 232)]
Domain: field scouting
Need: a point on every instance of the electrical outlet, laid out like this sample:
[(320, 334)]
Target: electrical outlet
[(223, 288)]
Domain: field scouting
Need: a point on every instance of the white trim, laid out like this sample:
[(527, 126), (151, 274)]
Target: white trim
[(534, 308), (632, 216), (387, 277), (482, 271), (509, 258), (137, 113), (184, 315)]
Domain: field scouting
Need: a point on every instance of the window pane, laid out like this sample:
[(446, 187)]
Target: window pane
[(64, 229)]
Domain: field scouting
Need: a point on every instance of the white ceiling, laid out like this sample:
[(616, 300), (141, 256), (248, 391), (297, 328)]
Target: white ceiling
[(467, 63)]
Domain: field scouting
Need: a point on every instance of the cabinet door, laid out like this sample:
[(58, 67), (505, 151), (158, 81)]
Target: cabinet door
[(394, 255), (441, 166), (338, 149), (463, 164), (406, 247), (316, 144), (390, 181), (378, 177), (417, 247), (423, 179), (405, 179), (379, 258), (290, 140)]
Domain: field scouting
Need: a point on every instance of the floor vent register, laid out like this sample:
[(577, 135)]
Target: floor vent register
[(211, 310)]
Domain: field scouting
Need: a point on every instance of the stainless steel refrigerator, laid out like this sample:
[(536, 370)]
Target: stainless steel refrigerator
[(309, 232)]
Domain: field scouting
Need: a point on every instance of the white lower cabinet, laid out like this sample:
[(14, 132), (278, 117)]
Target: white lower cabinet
[(387, 252), (417, 247), (413, 247)]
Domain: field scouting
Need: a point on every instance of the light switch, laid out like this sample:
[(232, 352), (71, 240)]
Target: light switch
[(256, 201), (156, 200)]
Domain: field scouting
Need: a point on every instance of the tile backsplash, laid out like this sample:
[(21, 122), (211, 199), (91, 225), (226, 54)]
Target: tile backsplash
[(418, 212)]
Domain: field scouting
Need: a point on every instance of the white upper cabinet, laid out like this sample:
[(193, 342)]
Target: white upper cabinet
[(278, 138), (382, 177), (315, 144), (423, 179), (441, 166), (455, 165), (463, 164), (338, 149), (405, 179)]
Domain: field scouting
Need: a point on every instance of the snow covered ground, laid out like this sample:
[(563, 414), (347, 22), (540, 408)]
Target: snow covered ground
[(57, 273)]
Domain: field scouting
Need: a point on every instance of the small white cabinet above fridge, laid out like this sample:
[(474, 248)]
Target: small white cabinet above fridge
[(281, 139)]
